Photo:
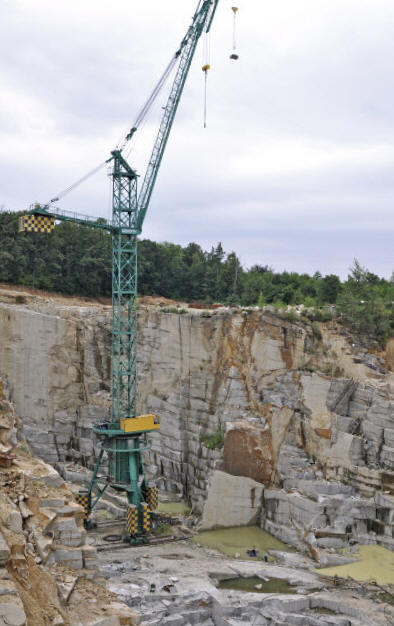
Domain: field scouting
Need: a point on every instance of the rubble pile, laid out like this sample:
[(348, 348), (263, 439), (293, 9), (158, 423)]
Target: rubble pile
[(48, 573)]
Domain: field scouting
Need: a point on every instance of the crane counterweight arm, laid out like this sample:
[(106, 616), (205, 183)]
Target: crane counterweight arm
[(56, 214), (201, 22)]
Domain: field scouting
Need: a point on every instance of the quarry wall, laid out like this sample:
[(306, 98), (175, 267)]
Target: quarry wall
[(292, 403)]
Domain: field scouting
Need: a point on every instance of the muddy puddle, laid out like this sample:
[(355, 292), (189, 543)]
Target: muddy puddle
[(174, 508), (236, 541), (258, 585), (375, 563)]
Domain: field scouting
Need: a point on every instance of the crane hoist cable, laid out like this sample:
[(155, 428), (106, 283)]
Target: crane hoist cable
[(234, 56), (205, 70), (79, 181), (206, 66), (140, 118), (150, 101)]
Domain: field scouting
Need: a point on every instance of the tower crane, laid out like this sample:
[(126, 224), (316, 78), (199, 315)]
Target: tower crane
[(124, 437)]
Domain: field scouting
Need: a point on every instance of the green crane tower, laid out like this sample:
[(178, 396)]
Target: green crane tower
[(124, 437)]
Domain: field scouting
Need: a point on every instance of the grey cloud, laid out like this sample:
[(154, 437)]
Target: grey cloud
[(312, 75)]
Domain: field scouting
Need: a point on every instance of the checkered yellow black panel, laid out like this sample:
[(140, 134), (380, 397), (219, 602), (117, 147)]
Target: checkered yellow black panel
[(145, 517), (132, 520), (83, 499), (36, 223), (152, 497)]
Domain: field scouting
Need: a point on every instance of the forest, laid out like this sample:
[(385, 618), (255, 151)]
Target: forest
[(76, 260)]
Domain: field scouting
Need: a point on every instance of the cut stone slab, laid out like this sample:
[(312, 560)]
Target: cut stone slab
[(232, 501)]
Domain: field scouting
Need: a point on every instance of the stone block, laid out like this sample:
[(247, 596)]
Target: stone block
[(381, 415), (344, 423), (45, 474), (10, 516), (51, 503), (62, 439), (231, 501), (389, 437), (285, 533), (71, 538), (69, 557), (12, 614), (85, 447), (7, 588), (4, 551), (60, 524), (373, 432), (90, 558), (307, 512), (332, 542), (387, 457)]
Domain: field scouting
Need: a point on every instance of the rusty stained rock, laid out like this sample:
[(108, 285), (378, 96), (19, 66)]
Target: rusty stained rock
[(248, 452)]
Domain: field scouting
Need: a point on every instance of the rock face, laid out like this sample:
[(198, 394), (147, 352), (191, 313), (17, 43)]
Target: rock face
[(252, 394)]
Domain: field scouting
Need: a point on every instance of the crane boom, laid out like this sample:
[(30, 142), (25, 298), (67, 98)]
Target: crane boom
[(202, 21)]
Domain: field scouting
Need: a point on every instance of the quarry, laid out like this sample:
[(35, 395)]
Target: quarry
[(189, 437), (269, 422)]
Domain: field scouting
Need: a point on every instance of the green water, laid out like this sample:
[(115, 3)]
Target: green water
[(272, 585), (374, 562), (175, 508), (232, 541)]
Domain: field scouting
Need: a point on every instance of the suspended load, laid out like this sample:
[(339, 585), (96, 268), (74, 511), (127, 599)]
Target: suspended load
[(234, 56), (206, 66)]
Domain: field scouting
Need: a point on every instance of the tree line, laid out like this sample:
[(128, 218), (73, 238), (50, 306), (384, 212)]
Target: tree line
[(77, 260)]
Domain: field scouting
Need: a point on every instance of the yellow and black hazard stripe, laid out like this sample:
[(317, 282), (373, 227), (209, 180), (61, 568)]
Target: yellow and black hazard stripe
[(145, 517), (132, 520), (36, 223), (152, 497), (83, 498)]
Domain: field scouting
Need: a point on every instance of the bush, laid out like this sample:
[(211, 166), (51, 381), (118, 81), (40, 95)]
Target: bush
[(169, 309), (316, 332), (291, 316), (215, 441)]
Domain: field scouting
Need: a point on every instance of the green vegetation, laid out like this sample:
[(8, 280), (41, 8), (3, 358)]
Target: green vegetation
[(214, 441), (316, 332), (162, 529), (76, 260)]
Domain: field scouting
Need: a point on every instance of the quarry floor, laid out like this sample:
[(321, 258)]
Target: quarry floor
[(176, 583)]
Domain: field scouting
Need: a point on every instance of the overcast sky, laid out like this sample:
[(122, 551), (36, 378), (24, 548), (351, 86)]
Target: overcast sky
[(296, 166)]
